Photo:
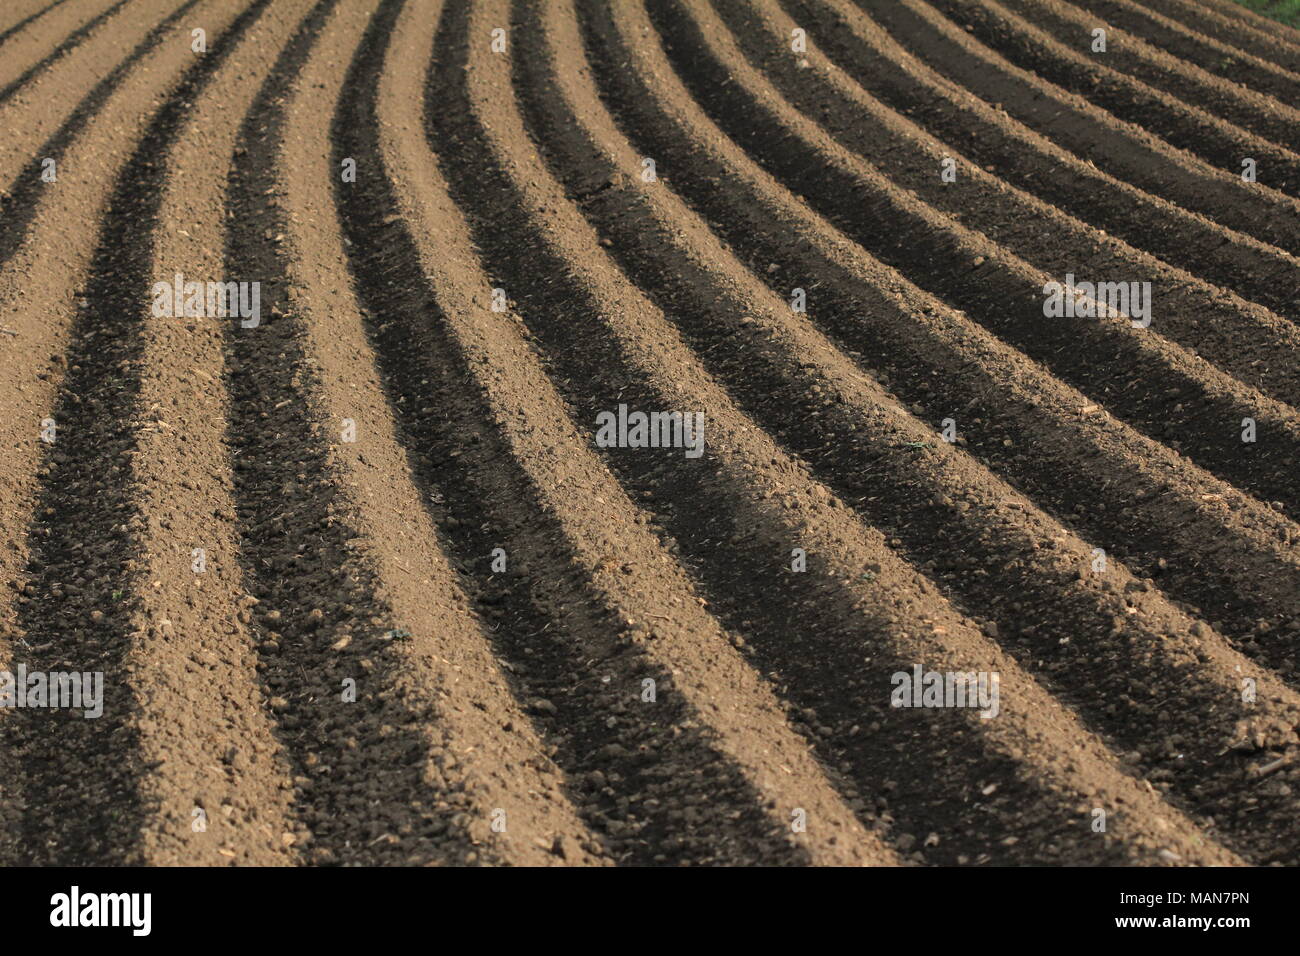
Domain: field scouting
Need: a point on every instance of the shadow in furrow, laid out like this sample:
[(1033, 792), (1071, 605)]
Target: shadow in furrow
[(82, 800), (28, 19), (640, 776), (1098, 359), (73, 38), (923, 771), (363, 785), (17, 208)]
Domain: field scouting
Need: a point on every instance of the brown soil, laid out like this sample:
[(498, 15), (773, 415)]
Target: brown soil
[(349, 675)]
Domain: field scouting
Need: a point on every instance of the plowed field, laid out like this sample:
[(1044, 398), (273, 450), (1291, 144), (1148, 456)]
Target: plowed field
[(326, 326)]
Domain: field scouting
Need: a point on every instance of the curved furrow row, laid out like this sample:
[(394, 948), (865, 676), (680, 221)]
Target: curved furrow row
[(555, 432), (48, 382), (434, 754), (541, 623), (1073, 67), (1228, 20), (938, 506), (1132, 372), (1154, 504), (17, 15), (1156, 66), (1122, 149), (1028, 160), (91, 785), (1199, 49), (48, 39), (62, 100), (1258, 348), (204, 722), (616, 611), (38, 284), (736, 512)]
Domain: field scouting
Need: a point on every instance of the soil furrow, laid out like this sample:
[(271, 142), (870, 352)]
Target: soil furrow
[(658, 433), (615, 613), (944, 365), (1247, 27), (1122, 149), (87, 782), (1193, 47), (1224, 329), (1132, 372), (1156, 66), (846, 428), (50, 39), (753, 503), (41, 285), (1077, 70), (18, 14), (63, 100), (1031, 161), (432, 761), (208, 723)]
